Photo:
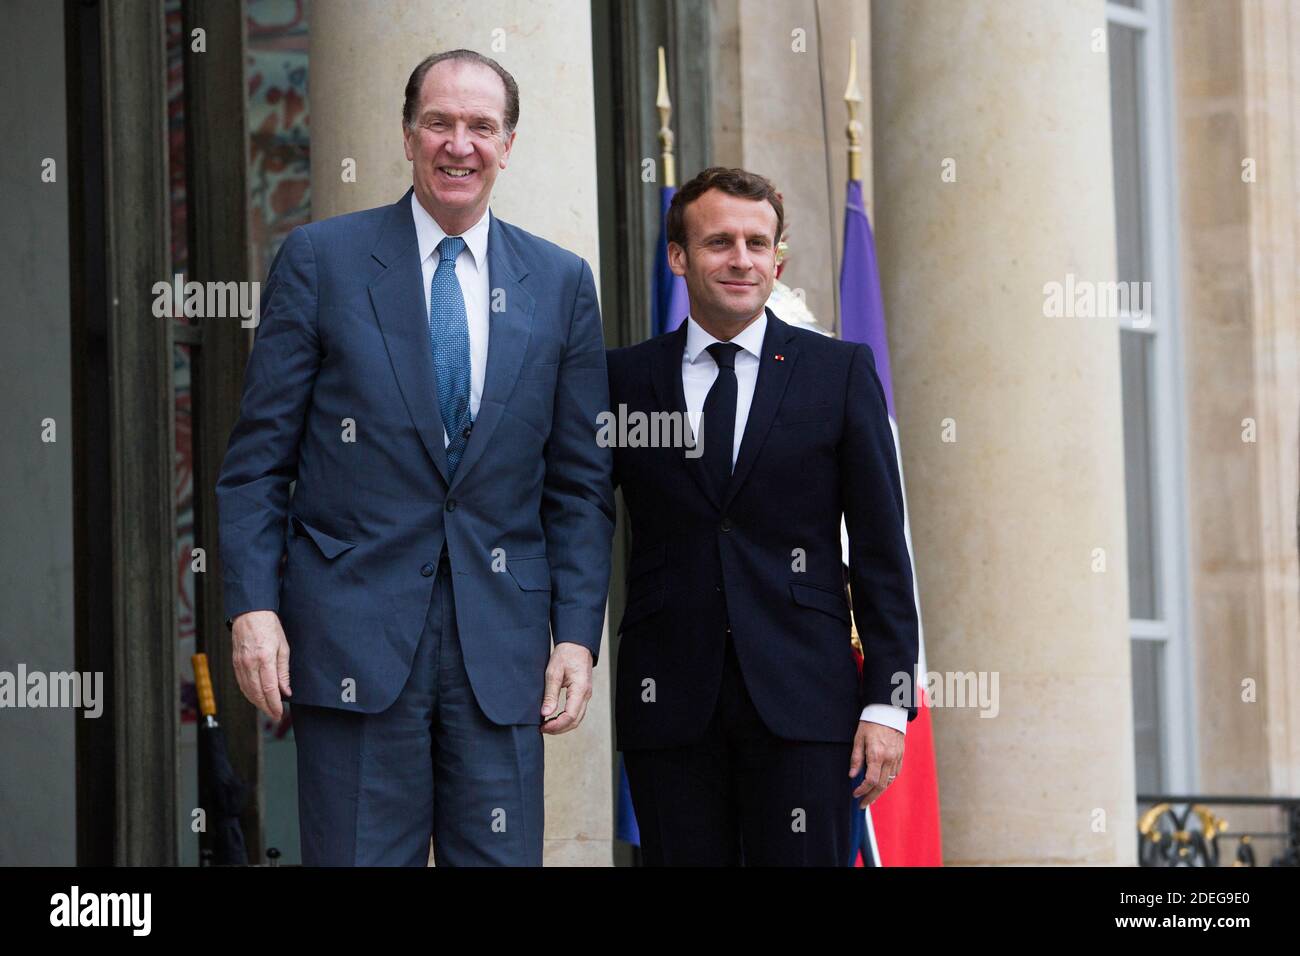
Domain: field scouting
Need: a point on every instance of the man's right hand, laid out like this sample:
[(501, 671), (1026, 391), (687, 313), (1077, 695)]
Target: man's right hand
[(261, 659)]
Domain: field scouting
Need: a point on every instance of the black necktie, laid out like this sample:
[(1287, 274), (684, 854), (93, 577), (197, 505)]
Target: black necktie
[(719, 420)]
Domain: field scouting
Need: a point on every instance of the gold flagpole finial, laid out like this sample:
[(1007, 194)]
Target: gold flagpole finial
[(852, 97), (665, 107)]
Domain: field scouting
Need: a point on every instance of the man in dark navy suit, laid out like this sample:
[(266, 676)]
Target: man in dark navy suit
[(740, 710), (431, 377)]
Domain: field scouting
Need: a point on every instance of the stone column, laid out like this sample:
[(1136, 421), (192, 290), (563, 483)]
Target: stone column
[(1238, 85), (779, 73), (362, 52), (1012, 520)]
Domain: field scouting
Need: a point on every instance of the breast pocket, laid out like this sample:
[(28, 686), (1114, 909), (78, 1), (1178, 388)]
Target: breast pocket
[(538, 372), (533, 398), (803, 414)]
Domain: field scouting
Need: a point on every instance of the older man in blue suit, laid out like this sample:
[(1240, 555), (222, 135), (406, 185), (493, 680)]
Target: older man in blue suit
[(431, 377)]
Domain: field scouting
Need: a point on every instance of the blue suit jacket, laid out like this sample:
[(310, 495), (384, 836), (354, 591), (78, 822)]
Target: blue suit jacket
[(339, 394)]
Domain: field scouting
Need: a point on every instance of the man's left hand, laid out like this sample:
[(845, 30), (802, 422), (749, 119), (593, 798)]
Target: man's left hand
[(570, 669), (881, 749)]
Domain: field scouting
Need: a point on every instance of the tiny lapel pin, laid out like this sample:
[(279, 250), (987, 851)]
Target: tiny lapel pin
[(779, 357)]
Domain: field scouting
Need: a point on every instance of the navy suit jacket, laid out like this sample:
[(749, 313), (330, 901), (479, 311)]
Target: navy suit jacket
[(766, 558), (339, 395)]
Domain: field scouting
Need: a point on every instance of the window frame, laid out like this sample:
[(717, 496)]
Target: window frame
[(1166, 388)]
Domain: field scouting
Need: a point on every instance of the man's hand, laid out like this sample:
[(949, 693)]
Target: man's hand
[(261, 659), (881, 748), (569, 668)]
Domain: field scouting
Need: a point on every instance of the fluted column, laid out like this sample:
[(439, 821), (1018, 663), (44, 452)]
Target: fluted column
[(1011, 420)]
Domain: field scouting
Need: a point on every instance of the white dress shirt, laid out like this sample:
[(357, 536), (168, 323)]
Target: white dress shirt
[(698, 374), (472, 273)]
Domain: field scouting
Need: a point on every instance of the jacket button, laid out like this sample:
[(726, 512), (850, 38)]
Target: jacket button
[(427, 570), (718, 588), (726, 524), (451, 504)]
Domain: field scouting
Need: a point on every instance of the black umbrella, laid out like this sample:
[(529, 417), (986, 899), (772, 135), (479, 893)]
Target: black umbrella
[(221, 793)]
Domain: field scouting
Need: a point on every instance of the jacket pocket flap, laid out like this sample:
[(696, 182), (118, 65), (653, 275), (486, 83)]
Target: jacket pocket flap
[(641, 607), (329, 546), (532, 573), (821, 600)]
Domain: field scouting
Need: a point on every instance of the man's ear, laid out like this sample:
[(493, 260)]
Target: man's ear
[(677, 259), (505, 153), (406, 143)]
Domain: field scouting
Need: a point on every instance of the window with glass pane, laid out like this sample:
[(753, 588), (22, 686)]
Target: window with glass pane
[(1132, 128), (1127, 152), (1139, 474), (1148, 682)]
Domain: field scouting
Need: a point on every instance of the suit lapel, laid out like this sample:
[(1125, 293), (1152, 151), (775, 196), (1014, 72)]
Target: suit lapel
[(508, 334), (404, 321), (666, 379), (773, 375)]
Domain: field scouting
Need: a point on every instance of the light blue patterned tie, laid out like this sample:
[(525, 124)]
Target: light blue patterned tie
[(449, 338)]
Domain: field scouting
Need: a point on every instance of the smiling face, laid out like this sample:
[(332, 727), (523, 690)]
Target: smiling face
[(456, 146), (729, 262)]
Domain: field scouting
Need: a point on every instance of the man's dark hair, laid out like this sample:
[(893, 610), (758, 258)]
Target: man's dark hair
[(733, 182), (416, 81)]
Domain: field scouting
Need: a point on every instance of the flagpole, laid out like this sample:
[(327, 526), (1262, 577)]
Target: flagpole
[(665, 107), (852, 97), (669, 301)]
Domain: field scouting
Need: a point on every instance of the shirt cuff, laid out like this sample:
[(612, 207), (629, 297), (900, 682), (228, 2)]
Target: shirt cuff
[(886, 714)]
